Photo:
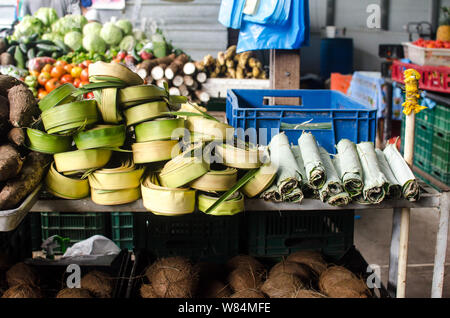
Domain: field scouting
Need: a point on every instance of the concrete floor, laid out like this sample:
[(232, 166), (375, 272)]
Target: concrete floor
[(373, 237)]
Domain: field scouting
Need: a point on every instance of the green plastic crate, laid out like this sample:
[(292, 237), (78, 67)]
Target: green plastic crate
[(122, 229), (197, 236), (441, 151), (426, 116), (423, 145), (442, 117), (441, 176), (76, 226), (277, 234)]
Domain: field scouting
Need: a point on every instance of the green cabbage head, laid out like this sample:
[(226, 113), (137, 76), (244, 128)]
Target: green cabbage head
[(46, 15), (92, 28), (94, 43), (111, 34), (68, 23), (28, 26), (126, 26), (74, 40)]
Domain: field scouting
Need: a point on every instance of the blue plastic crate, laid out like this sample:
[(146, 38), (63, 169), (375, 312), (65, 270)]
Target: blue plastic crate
[(349, 119)]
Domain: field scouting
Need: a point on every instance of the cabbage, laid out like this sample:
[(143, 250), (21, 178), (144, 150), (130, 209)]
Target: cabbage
[(92, 28), (94, 43), (52, 37), (28, 26), (126, 26), (46, 15), (127, 43), (68, 23), (74, 40), (111, 34)]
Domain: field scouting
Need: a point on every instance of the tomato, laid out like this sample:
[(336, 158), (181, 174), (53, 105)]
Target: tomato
[(61, 63), (90, 95), (76, 82), (42, 93), (47, 68), (43, 78), (52, 84), (83, 83), (86, 63), (76, 72), (57, 72), (66, 78), (68, 68), (84, 76), (34, 73), (121, 55)]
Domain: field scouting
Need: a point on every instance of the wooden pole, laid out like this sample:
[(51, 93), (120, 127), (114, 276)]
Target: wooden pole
[(406, 213)]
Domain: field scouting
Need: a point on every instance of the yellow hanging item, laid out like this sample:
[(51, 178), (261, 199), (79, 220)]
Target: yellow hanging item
[(412, 92)]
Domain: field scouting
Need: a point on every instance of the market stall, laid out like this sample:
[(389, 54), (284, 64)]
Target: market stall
[(121, 125)]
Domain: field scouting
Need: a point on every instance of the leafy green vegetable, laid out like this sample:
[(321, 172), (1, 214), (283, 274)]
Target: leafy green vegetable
[(92, 28), (74, 40), (94, 43), (127, 43), (46, 15), (111, 34), (28, 26), (68, 23), (139, 35), (52, 37), (125, 25)]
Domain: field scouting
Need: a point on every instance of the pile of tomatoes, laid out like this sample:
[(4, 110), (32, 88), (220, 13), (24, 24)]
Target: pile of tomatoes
[(51, 76), (432, 44)]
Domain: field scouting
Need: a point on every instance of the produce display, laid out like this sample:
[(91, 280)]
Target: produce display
[(231, 65), (432, 44), (20, 170), (304, 274)]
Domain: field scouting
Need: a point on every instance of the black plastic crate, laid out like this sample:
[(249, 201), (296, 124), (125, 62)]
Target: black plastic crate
[(278, 234), (392, 51), (122, 229), (197, 236)]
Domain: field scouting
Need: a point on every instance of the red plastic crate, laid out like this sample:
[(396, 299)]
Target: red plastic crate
[(433, 78)]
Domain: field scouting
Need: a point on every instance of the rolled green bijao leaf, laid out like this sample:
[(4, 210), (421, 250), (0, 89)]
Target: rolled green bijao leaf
[(350, 170), (58, 96), (272, 194), (307, 189), (39, 141), (68, 117), (101, 136), (295, 196), (288, 175), (315, 171), (375, 183), (403, 173), (160, 129), (332, 186), (394, 188)]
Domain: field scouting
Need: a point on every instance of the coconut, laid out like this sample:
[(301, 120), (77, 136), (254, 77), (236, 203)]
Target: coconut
[(244, 261), (20, 274), (339, 282), (281, 285), (23, 291), (308, 293), (312, 259), (147, 291), (5, 262), (301, 270), (248, 293), (74, 293), (173, 277), (214, 289), (245, 278), (98, 283)]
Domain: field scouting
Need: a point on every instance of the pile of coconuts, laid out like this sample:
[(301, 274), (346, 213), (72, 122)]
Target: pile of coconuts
[(20, 170), (22, 281), (303, 274)]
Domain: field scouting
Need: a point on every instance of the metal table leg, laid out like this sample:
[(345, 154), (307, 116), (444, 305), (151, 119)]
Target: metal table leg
[(441, 247), (393, 256)]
